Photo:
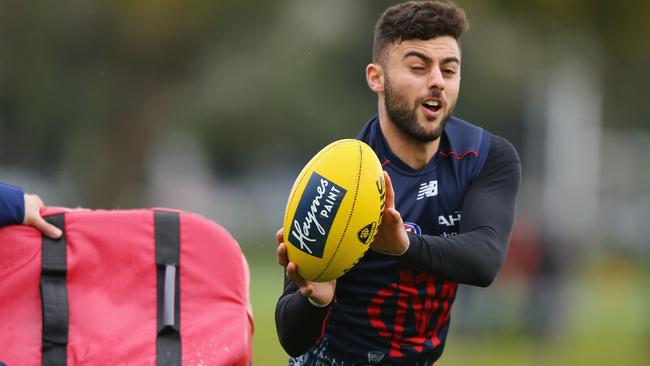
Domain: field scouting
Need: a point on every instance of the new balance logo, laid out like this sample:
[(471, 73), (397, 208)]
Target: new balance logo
[(428, 189)]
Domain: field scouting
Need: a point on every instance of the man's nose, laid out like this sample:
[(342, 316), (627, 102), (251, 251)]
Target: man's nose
[(436, 80)]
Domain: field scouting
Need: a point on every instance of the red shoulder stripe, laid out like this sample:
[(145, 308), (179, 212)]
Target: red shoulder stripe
[(458, 157)]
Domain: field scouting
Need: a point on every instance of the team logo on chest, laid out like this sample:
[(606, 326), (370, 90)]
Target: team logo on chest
[(428, 189), (412, 227), (418, 306)]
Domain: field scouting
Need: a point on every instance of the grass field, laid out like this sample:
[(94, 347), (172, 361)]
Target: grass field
[(607, 323)]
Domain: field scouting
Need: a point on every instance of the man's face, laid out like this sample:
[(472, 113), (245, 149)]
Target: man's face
[(421, 85)]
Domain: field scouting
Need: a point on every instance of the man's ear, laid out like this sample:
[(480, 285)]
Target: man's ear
[(375, 77)]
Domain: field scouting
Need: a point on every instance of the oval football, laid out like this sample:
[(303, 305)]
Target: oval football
[(334, 210)]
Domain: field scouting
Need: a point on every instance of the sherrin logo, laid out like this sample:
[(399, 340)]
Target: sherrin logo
[(315, 214), (368, 232), (365, 234)]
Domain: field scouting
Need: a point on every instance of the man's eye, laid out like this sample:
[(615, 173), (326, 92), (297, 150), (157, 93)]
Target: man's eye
[(449, 71), (417, 68)]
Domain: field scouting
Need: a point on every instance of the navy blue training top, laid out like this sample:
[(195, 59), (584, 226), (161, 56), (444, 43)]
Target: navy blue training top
[(12, 205), (459, 211)]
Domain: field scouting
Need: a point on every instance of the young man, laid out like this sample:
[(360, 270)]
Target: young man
[(17, 207), (451, 192)]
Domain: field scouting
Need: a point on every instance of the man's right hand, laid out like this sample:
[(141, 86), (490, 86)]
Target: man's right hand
[(33, 204), (319, 293)]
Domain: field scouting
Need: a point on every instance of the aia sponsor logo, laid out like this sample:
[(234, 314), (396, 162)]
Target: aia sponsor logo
[(450, 220), (412, 227)]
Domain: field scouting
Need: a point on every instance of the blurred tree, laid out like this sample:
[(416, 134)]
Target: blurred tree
[(621, 28), (85, 87)]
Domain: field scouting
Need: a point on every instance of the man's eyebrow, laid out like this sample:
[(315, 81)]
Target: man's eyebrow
[(419, 55), (428, 59), (451, 59)]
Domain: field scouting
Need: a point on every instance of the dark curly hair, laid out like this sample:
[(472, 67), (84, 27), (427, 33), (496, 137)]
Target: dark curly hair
[(417, 20)]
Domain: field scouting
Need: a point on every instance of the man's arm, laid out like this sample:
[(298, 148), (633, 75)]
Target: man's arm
[(12, 205), (299, 323), (303, 306), (17, 207), (476, 254)]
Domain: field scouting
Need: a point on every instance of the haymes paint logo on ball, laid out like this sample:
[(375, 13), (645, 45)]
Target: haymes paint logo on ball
[(315, 214)]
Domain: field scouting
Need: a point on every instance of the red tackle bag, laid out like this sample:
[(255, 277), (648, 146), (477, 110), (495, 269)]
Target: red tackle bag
[(125, 287)]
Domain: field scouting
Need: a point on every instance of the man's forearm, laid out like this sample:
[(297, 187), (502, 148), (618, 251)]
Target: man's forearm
[(12, 205), (299, 323)]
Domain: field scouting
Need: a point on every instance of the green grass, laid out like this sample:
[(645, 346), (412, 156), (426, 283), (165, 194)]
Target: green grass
[(608, 323), (266, 287), (569, 350)]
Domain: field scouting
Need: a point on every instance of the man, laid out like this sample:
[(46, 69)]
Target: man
[(17, 207), (451, 192)]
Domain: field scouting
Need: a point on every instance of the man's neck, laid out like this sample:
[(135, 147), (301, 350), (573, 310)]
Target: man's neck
[(415, 154)]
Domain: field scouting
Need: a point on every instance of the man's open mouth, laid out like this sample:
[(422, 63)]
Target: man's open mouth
[(432, 105)]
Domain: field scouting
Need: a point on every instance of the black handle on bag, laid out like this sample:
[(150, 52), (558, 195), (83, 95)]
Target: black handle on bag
[(168, 339), (54, 296)]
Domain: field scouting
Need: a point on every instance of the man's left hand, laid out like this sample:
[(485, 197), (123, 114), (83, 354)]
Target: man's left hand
[(391, 238)]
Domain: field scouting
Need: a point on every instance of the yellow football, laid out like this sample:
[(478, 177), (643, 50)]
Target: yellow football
[(334, 210)]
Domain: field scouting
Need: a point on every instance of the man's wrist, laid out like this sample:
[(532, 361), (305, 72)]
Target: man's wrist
[(406, 248), (395, 254), (316, 304)]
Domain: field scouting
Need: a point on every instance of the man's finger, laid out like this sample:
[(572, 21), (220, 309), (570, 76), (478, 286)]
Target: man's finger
[(307, 290), (281, 252), (279, 236), (394, 217), (47, 228), (293, 275), (390, 193)]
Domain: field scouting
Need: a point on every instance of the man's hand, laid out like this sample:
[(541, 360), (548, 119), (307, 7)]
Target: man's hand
[(33, 204), (391, 238), (319, 293)]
